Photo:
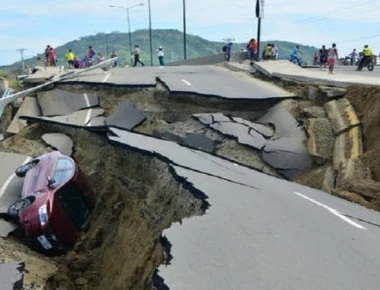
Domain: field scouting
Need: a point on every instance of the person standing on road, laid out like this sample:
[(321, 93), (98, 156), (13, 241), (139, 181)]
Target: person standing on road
[(332, 58), (353, 57), (70, 56), (323, 57), (252, 49), (52, 57), (161, 55), (136, 55), (228, 51)]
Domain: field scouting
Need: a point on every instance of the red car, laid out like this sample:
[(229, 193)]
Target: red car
[(56, 202)]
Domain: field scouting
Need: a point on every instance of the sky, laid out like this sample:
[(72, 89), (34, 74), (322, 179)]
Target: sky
[(32, 24)]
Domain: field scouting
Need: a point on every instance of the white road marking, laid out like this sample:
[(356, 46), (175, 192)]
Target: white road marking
[(333, 211), (186, 82), (87, 100), (106, 77), (8, 181)]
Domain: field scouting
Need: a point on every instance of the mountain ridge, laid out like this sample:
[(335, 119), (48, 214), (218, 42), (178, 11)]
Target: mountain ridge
[(170, 39)]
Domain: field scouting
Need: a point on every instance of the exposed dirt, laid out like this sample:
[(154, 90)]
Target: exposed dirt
[(138, 197), (366, 102)]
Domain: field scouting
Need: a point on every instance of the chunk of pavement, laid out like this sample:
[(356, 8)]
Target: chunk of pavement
[(348, 145), (333, 92), (29, 107), (342, 115), (264, 130), (59, 141), (200, 141), (328, 183), (204, 118), (6, 228), (286, 153), (244, 134), (59, 102), (283, 121), (12, 276), (321, 138), (90, 118), (126, 116)]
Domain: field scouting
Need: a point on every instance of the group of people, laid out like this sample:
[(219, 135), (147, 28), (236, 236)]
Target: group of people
[(326, 57), (50, 56), (361, 58), (74, 61)]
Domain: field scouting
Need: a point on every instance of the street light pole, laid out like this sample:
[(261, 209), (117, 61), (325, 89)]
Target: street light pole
[(129, 36), (129, 25), (150, 34), (184, 29)]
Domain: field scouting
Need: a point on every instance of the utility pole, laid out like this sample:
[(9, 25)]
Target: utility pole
[(259, 15), (21, 50), (228, 40)]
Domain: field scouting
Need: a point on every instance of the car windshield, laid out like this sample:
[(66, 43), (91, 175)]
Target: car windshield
[(63, 171), (74, 204)]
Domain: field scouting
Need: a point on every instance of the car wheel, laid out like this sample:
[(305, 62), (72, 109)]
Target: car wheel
[(23, 169), (18, 206)]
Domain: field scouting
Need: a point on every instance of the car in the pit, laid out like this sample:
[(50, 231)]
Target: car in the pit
[(56, 202)]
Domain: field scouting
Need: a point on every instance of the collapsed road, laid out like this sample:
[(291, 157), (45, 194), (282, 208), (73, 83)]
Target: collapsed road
[(191, 169)]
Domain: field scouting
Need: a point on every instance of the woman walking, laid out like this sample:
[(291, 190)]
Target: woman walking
[(332, 58)]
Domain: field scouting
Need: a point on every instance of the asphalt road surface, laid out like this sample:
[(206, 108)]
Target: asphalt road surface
[(348, 69), (261, 232), (203, 80)]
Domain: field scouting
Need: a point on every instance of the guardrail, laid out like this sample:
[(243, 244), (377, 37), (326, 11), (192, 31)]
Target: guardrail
[(8, 97)]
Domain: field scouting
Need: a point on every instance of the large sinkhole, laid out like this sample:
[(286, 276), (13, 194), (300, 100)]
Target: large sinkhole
[(138, 196)]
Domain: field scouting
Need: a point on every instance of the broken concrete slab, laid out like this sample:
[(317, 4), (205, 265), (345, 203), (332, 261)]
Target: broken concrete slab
[(90, 119), (342, 115), (243, 133), (11, 185), (126, 116), (42, 74), (59, 141), (348, 145), (264, 130), (12, 276), (321, 139), (282, 120), (6, 228), (206, 119), (200, 141), (222, 83), (58, 102), (332, 92), (29, 107)]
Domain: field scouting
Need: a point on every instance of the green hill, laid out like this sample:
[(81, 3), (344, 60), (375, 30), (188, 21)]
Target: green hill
[(171, 40)]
